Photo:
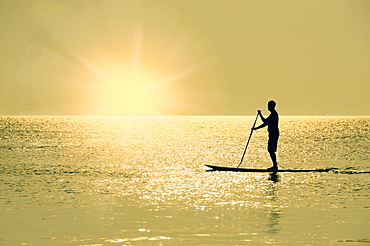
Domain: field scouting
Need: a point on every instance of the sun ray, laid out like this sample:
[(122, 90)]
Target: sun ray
[(137, 49), (145, 60), (176, 77)]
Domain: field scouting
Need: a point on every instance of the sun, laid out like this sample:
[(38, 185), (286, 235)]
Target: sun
[(121, 89), (141, 61)]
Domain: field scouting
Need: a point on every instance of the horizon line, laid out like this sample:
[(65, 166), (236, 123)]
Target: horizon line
[(169, 115)]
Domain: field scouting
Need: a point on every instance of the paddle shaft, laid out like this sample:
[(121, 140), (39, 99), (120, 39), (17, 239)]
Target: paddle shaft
[(249, 139)]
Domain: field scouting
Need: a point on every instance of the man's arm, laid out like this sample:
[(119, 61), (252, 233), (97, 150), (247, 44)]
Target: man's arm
[(265, 121), (260, 114), (258, 127)]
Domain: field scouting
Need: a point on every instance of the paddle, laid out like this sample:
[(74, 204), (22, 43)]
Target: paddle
[(248, 141)]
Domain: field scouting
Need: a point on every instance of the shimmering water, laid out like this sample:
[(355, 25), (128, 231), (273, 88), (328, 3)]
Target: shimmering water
[(142, 181)]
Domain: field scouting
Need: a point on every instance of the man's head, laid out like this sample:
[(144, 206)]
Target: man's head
[(271, 105)]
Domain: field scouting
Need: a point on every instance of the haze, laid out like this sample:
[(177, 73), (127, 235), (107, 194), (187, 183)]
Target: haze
[(193, 57)]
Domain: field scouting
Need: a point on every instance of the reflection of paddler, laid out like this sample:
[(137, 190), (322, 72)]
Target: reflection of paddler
[(274, 177), (272, 123)]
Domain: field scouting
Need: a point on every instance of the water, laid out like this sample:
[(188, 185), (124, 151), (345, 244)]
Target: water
[(142, 181)]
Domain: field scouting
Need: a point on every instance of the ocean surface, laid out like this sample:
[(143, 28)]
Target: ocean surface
[(143, 181)]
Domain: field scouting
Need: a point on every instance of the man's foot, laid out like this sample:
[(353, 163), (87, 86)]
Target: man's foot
[(273, 168)]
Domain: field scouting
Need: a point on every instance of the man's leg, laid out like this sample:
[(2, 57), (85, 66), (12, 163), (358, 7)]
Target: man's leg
[(271, 148), (273, 158)]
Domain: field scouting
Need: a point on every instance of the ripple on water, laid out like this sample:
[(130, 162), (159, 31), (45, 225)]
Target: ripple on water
[(121, 180)]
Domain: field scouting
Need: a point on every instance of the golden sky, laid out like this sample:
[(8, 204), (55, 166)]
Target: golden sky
[(158, 57)]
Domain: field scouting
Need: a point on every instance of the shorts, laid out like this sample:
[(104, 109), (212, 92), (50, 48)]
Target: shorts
[(272, 143)]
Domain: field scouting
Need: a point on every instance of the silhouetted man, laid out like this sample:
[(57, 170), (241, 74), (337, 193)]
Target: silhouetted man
[(272, 123)]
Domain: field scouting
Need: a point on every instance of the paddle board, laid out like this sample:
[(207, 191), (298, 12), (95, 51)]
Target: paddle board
[(234, 169)]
